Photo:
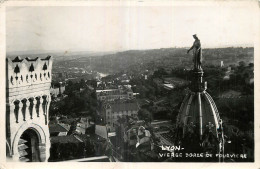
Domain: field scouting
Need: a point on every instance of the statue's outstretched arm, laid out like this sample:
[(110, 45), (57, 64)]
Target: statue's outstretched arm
[(190, 48)]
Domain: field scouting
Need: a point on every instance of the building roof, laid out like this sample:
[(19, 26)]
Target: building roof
[(56, 128), (230, 94), (113, 91), (192, 104), (84, 137), (168, 86), (117, 107), (65, 139), (66, 126), (93, 137)]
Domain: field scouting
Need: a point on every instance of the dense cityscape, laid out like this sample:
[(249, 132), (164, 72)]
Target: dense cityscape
[(131, 82), (124, 106)]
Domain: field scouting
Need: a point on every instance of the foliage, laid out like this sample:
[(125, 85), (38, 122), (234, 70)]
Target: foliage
[(145, 115), (77, 101)]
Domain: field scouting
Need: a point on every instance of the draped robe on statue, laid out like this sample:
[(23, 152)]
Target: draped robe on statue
[(197, 54)]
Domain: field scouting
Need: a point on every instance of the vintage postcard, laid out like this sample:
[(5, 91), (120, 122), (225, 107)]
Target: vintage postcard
[(129, 84)]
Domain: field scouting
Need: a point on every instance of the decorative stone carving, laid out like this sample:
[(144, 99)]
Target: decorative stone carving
[(24, 108), (39, 102), (16, 110), (32, 106)]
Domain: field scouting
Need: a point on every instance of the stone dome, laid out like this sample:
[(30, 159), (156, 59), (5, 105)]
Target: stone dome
[(198, 109), (199, 127)]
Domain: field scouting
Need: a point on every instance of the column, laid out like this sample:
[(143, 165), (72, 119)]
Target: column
[(42, 149), (48, 144), (9, 116), (48, 106)]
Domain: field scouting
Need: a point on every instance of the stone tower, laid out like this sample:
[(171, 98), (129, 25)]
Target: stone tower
[(28, 83), (199, 126)]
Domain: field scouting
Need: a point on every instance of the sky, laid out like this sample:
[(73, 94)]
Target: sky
[(118, 28)]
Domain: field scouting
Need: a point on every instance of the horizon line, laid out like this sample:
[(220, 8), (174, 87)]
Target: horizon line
[(80, 50)]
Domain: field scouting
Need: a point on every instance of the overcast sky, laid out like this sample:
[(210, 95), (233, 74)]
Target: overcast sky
[(123, 28)]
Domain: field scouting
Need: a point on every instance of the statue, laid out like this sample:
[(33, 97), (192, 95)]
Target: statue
[(197, 53)]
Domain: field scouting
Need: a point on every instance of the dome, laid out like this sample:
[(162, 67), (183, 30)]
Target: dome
[(198, 127), (198, 109)]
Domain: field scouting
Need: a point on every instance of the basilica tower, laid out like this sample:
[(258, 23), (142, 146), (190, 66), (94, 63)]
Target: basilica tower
[(28, 99)]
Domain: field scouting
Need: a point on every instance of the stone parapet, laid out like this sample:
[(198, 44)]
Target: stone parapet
[(27, 72)]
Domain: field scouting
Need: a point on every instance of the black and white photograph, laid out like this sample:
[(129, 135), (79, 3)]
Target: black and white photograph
[(130, 82)]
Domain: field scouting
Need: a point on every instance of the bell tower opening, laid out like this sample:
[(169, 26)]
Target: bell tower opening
[(28, 146)]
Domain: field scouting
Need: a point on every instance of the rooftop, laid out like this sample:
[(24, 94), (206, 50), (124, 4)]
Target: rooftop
[(65, 139), (117, 107), (57, 128), (95, 138)]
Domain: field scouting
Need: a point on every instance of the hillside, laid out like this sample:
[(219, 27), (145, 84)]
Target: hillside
[(141, 60), (152, 59)]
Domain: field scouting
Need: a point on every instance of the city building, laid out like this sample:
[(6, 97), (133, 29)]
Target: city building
[(28, 83), (82, 125), (169, 83), (55, 91), (59, 75), (168, 86), (137, 135), (221, 63), (65, 139), (175, 81), (114, 94), (111, 112), (163, 131), (58, 130)]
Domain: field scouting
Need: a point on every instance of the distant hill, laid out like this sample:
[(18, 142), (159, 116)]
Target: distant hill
[(67, 55), (140, 60), (165, 57)]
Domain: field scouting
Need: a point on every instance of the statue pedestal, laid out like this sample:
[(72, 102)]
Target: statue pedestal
[(198, 84)]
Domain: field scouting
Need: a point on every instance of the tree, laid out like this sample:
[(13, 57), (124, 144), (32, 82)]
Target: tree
[(82, 83), (160, 72), (145, 115), (251, 64), (241, 64)]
